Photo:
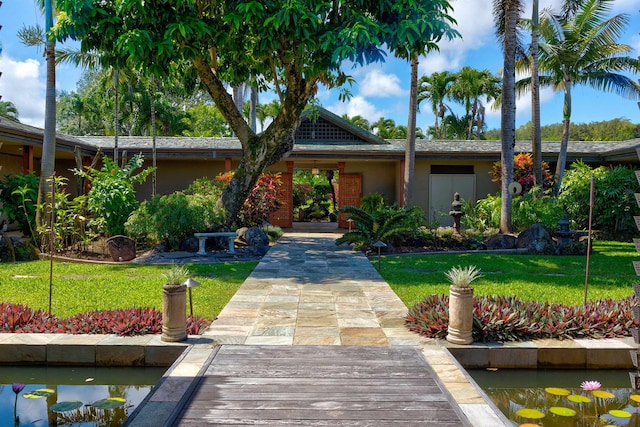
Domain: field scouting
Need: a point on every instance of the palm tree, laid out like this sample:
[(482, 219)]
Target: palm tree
[(470, 85), (506, 14), (436, 88), (583, 49)]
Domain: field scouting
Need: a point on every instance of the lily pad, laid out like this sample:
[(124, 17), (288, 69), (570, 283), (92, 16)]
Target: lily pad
[(603, 394), (618, 413), (37, 394), (530, 413), (110, 403), (562, 411), (577, 398), (635, 397), (557, 391), (70, 405)]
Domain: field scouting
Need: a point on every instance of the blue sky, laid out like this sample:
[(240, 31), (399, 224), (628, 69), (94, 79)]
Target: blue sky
[(382, 89)]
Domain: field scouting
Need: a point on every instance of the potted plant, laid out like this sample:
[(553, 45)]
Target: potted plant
[(174, 304), (461, 303)]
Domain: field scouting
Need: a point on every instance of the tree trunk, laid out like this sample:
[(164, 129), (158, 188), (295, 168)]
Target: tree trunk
[(508, 112), (48, 159), (564, 143), (116, 119), (258, 151), (410, 149), (154, 156), (536, 139)]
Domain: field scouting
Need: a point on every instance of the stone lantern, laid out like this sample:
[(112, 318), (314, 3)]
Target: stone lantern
[(456, 212)]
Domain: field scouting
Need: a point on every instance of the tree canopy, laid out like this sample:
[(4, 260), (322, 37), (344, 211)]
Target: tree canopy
[(289, 47)]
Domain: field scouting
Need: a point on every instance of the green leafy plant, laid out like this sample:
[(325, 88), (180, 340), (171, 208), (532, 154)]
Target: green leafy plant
[(614, 198), (176, 274), (463, 276), (18, 197), (112, 196), (370, 228), (372, 203), (172, 218)]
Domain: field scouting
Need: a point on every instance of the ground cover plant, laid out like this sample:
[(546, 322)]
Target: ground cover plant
[(80, 289), (522, 296)]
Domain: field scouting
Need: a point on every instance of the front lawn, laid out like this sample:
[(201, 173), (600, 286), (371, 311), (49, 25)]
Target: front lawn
[(79, 287), (558, 279)]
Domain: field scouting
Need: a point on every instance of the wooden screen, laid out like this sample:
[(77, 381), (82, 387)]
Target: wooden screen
[(349, 194), (283, 217)]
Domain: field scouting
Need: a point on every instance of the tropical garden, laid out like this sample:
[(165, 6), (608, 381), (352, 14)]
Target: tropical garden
[(157, 71)]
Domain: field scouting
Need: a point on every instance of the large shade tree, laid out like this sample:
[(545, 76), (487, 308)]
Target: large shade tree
[(582, 48), (289, 47)]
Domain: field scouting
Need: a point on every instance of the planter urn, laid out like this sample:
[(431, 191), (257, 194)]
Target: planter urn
[(174, 318), (460, 315)]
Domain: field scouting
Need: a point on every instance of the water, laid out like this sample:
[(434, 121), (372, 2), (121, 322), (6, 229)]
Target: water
[(88, 385), (513, 390)]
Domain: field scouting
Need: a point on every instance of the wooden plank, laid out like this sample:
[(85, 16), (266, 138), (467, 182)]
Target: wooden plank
[(316, 385)]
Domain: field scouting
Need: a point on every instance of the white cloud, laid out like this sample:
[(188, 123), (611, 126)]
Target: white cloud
[(378, 84), (21, 84), (357, 106)]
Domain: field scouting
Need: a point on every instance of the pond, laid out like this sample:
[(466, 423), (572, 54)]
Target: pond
[(558, 398), (78, 396)]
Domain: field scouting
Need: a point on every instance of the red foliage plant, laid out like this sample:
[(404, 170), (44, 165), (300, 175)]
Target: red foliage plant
[(523, 172), (265, 198), (18, 318)]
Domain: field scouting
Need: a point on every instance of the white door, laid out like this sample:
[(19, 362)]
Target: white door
[(441, 191)]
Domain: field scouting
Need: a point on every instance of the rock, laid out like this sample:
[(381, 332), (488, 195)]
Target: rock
[(6, 249), (24, 250), (121, 248), (501, 241), (257, 240), (242, 231), (537, 239), (190, 244)]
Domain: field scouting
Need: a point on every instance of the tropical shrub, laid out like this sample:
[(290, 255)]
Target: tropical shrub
[(373, 202), (505, 318), (614, 203), (18, 198), (172, 218), (18, 318), (112, 196), (527, 209), (369, 228), (523, 172)]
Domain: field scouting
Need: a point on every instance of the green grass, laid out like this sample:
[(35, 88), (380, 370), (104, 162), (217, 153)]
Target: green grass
[(529, 277), (79, 287)]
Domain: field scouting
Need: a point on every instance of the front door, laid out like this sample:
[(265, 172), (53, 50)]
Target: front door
[(349, 194)]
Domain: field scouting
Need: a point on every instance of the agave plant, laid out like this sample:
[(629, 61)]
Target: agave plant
[(375, 226), (463, 276)]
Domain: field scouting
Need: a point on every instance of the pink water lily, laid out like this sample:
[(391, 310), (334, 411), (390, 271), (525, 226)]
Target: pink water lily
[(590, 385)]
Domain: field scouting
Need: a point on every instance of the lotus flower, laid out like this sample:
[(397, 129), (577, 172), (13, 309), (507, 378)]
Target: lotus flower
[(17, 387), (590, 385)]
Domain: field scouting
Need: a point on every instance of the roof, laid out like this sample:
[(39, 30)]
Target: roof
[(361, 144)]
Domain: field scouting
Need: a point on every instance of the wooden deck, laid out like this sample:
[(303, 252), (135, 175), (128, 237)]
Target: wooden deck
[(319, 386)]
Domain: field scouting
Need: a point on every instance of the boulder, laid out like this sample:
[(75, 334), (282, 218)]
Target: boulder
[(537, 239), (501, 241), (121, 248), (24, 250), (6, 249), (257, 240), (190, 244)]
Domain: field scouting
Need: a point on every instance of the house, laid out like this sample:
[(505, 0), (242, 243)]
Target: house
[(366, 163)]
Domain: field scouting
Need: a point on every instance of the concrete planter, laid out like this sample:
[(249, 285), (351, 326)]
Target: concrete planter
[(174, 317), (460, 315)]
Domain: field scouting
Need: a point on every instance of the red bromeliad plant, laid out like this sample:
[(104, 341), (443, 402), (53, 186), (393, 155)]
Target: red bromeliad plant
[(523, 172), (265, 198)]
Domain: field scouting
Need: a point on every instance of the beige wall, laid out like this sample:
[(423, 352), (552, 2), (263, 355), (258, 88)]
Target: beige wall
[(377, 177), (10, 164)]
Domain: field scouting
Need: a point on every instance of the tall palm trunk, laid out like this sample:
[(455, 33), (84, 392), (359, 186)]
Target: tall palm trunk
[(154, 151), (564, 143), (536, 139), (410, 149), (47, 165), (116, 119), (508, 111)]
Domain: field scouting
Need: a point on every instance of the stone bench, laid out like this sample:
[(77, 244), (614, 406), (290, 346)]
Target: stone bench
[(202, 237)]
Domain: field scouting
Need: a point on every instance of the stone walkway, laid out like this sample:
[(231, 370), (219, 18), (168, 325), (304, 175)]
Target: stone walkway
[(308, 291)]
